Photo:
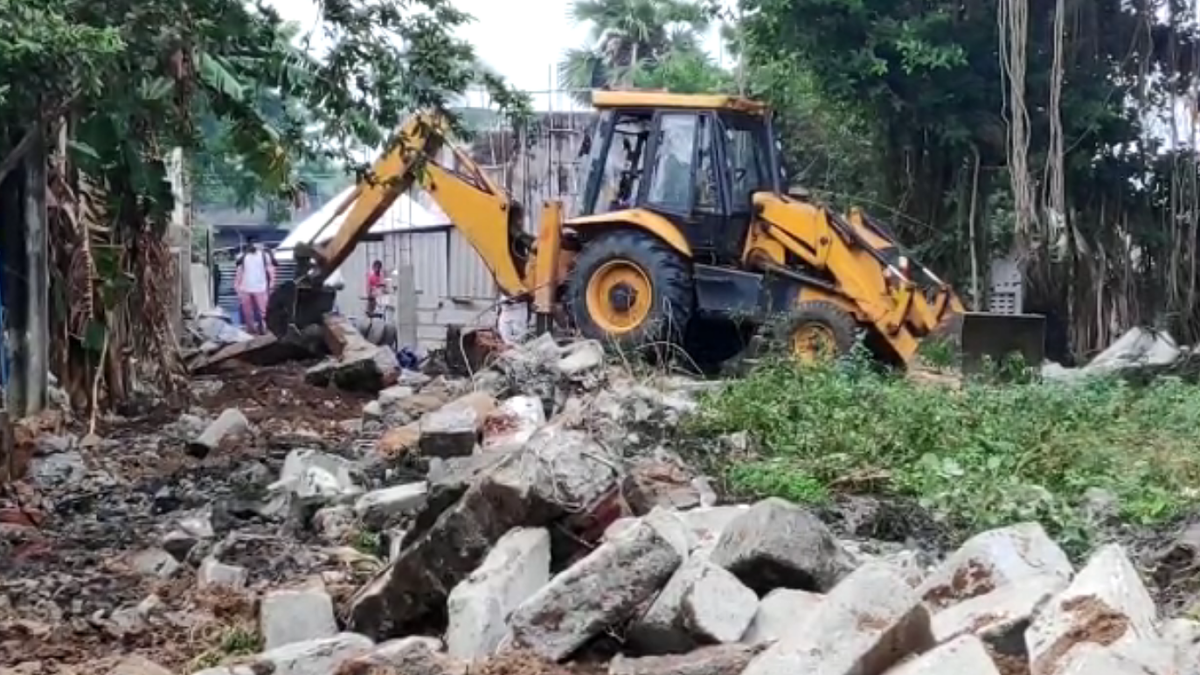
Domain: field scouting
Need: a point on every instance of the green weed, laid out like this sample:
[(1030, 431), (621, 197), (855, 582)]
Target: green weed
[(985, 455)]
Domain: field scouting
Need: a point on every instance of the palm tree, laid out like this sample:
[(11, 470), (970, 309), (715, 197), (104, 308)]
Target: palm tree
[(627, 35)]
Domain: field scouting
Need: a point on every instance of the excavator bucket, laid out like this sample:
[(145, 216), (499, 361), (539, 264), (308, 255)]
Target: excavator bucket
[(297, 305), (984, 336)]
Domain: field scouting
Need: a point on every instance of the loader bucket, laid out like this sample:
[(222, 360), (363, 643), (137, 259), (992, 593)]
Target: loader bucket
[(984, 335), (298, 305)]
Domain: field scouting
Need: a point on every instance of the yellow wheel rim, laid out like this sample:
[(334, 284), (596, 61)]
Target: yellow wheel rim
[(813, 342), (619, 297)]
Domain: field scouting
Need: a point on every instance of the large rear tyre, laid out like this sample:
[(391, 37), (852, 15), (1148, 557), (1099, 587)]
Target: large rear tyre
[(818, 332), (630, 290)]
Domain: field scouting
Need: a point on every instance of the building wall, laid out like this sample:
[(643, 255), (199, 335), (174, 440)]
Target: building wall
[(540, 163)]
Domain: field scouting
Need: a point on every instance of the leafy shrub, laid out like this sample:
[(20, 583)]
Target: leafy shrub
[(984, 455)]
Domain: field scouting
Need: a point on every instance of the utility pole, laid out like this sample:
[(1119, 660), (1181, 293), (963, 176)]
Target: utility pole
[(37, 307)]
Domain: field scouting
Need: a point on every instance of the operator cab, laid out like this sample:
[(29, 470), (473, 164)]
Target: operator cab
[(695, 160)]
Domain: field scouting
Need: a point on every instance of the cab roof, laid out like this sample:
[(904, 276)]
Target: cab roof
[(658, 99)]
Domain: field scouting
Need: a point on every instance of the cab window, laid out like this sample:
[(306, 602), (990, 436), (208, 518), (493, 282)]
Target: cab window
[(670, 186), (747, 159)]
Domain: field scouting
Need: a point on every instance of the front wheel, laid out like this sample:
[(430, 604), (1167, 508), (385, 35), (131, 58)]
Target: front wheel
[(817, 332), (629, 289)]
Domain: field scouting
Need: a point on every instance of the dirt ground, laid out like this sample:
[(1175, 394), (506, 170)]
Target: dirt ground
[(65, 550)]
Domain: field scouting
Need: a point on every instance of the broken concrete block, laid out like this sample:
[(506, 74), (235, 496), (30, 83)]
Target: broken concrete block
[(777, 544), (780, 613), (908, 564), (315, 657), (367, 369), (556, 473), (580, 357), (1106, 604), (1092, 659), (215, 574), (372, 411), (715, 660), (513, 423), (515, 569), (393, 395), (865, 625), (661, 479), (449, 432), (231, 422), (601, 590), (155, 562), (708, 523), (453, 430), (1184, 637), (717, 608), (993, 559), (137, 665), (964, 654), (313, 477), (408, 656), (379, 508), (999, 618), (297, 615), (660, 630)]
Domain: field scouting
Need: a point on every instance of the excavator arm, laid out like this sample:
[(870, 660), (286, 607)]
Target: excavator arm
[(481, 210)]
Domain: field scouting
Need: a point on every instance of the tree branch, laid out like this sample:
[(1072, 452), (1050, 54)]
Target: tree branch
[(18, 153)]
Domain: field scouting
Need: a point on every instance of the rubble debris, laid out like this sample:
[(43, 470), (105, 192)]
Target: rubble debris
[(334, 523), (662, 479), (1105, 604), (407, 656), (777, 544), (511, 425), (865, 625), (580, 357), (289, 616), (137, 665), (964, 654), (601, 590), (155, 562), (993, 559), (715, 660), (717, 608), (357, 365), (379, 508), (1184, 637), (1137, 348), (215, 574), (400, 441), (449, 432), (453, 430), (315, 657), (1000, 617), (314, 478), (515, 569), (57, 469), (231, 422), (779, 613), (660, 629), (557, 472)]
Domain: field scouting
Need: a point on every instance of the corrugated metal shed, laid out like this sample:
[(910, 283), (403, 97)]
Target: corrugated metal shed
[(451, 282)]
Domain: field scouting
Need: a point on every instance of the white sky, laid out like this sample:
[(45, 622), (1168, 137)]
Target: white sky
[(521, 39)]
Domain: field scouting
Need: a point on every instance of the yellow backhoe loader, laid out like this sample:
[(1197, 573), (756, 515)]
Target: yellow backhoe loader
[(684, 225)]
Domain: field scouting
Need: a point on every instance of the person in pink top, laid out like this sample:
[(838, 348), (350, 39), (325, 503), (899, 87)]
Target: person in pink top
[(375, 286), (253, 281)]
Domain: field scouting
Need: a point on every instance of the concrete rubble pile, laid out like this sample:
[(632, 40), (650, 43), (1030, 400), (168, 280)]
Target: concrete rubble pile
[(539, 510)]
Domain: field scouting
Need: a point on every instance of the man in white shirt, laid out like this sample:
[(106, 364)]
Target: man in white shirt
[(253, 282)]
